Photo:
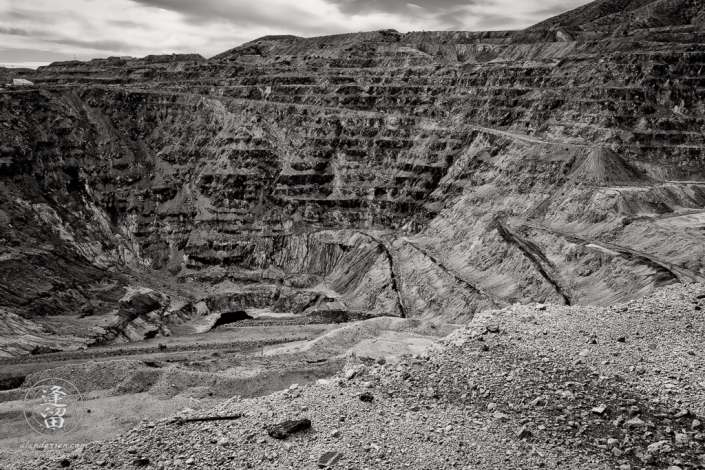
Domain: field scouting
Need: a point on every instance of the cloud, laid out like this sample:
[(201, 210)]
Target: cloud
[(31, 55), (306, 15), (402, 7), (101, 28), (546, 12), (127, 25), (13, 31), (494, 21), (104, 45), (303, 17)]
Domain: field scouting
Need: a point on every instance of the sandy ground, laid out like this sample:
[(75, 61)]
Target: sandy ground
[(108, 417), (202, 341), (120, 391)]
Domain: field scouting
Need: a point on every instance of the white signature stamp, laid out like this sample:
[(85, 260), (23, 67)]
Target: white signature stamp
[(53, 407)]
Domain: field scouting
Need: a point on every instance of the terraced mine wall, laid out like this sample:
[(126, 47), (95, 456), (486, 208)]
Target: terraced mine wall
[(428, 174)]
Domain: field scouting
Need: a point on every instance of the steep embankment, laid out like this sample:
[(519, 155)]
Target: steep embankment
[(428, 174)]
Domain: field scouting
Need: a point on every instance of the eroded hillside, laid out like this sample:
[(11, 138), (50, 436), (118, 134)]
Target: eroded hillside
[(427, 174)]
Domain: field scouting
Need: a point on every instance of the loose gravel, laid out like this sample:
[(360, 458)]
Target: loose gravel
[(526, 387)]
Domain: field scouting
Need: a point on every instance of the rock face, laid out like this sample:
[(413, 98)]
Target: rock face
[(141, 314), (20, 336), (427, 174)]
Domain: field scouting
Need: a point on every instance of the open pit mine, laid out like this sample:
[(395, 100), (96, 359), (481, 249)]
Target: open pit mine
[(186, 230)]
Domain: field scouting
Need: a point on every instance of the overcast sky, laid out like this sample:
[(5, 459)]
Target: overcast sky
[(42, 31)]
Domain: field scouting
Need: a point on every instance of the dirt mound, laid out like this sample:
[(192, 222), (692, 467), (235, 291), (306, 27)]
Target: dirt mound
[(384, 337), (603, 166)]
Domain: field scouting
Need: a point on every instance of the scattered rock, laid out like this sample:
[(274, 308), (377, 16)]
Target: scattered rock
[(681, 439), (659, 447), (635, 423), (523, 433), (328, 459), (223, 441), (539, 401), (286, 428), (462, 404)]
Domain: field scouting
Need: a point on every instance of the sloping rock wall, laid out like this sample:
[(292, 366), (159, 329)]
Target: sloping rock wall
[(428, 174)]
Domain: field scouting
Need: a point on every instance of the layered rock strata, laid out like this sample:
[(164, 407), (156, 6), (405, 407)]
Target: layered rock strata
[(427, 174)]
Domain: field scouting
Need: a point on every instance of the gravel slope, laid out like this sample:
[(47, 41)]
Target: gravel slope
[(523, 387)]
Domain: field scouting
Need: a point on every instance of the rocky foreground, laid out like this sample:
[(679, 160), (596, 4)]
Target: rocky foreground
[(523, 387)]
